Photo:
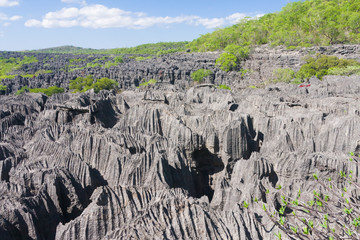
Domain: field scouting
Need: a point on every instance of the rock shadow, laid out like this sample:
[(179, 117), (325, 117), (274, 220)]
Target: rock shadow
[(205, 165)]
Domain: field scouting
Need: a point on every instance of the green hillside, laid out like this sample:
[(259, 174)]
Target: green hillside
[(63, 49), (298, 24), (150, 48), (302, 23)]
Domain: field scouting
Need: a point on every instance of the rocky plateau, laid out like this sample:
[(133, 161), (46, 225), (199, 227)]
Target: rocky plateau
[(175, 160)]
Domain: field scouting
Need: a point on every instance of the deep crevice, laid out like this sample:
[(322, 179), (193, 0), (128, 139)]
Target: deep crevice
[(205, 165)]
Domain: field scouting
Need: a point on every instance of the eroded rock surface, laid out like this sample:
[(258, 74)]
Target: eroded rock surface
[(172, 69), (168, 162)]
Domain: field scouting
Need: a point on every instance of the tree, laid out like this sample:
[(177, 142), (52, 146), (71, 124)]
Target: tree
[(240, 52), (104, 84), (200, 74), (81, 84), (226, 62)]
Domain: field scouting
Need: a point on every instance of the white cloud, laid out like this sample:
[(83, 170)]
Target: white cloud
[(15, 18), (100, 16), (6, 19), (8, 3), (235, 18), (83, 2), (211, 22)]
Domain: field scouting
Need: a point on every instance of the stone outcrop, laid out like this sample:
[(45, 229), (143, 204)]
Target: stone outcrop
[(171, 160), (174, 69), (164, 163)]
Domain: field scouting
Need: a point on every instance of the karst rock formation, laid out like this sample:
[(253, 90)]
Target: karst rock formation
[(175, 160)]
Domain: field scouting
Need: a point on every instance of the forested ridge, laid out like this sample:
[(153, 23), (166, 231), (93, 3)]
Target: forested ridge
[(149, 48), (298, 24)]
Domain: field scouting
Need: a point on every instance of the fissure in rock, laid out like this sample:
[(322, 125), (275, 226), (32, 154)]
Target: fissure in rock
[(205, 165)]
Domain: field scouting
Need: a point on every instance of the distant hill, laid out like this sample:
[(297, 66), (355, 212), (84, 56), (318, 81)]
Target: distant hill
[(151, 48), (63, 49), (298, 24)]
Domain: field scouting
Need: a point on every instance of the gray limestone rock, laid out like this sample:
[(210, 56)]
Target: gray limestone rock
[(170, 161)]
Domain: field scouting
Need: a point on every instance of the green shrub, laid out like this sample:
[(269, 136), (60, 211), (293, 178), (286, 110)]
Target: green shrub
[(104, 84), (226, 62), (110, 64), (118, 59), (93, 65), (3, 87), (7, 76), (233, 55), (223, 86), (104, 58), (320, 65), (151, 82), (37, 73), (347, 71), (285, 75), (7, 65), (81, 84), (327, 211), (75, 69), (48, 91), (76, 60), (142, 58), (200, 74), (28, 60), (244, 71), (240, 52), (22, 90)]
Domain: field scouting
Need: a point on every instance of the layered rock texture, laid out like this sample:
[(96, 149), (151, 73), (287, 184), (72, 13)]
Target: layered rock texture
[(172, 69), (169, 161)]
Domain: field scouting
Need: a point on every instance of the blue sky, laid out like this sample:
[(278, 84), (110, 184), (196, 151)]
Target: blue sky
[(36, 24)]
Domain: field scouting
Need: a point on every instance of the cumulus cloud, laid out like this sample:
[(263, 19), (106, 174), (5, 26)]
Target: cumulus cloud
[(15, 18), (8, 3), (83, 2), (6, 19), (100, 16)]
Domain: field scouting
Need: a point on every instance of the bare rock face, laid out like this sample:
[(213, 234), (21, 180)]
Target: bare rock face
[(172, 69), (167, 163), (173, 160)]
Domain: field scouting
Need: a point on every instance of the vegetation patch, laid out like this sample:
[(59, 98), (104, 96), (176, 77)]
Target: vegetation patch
[(286, 75), (142, 58), (3, 88), (37, 73), (298, 24), (345, 71), (93, 65), (224, 86), (82, 84), (151, 48), (8, 65), (328, 212), (48, 91), (200, 74), (320, 65), (150, 82), (226, 62), (232, 56)]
